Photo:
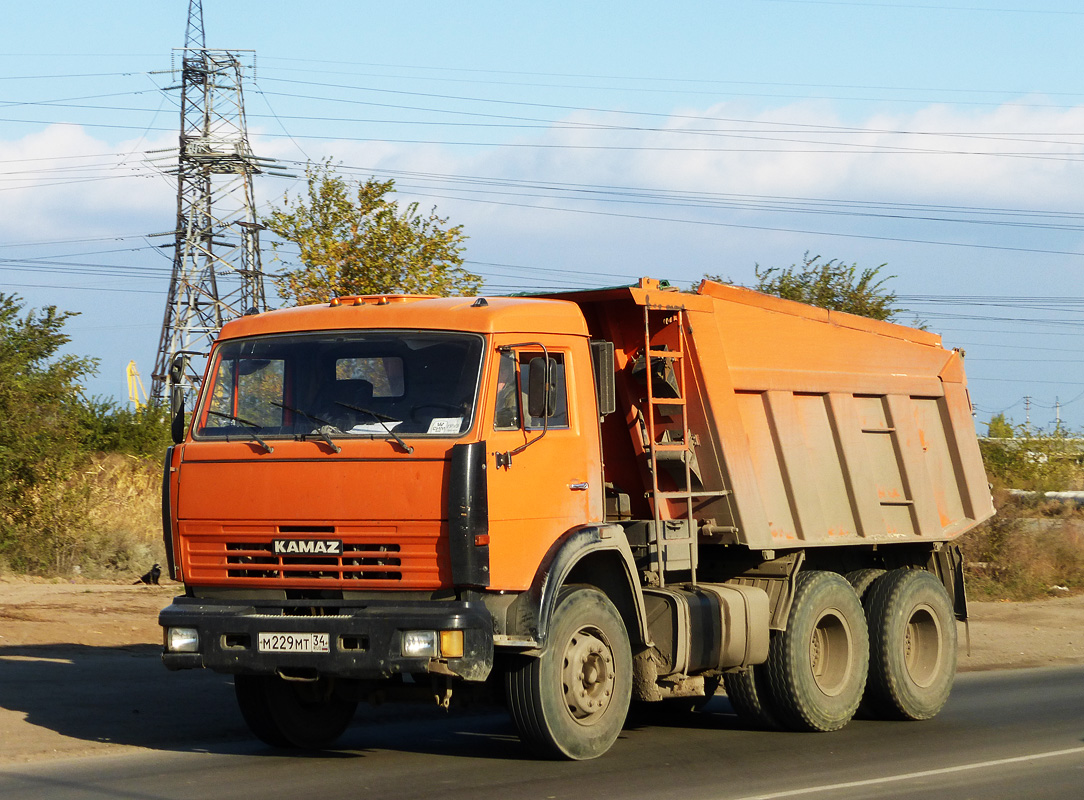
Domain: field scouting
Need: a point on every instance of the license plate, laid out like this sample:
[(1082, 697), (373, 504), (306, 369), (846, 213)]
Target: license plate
[(293, 642)]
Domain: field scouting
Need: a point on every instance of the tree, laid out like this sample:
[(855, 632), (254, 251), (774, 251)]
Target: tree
[(40, 394), (41, 436), (352, 239), (1033, 460), (830, 284), (999, 428)]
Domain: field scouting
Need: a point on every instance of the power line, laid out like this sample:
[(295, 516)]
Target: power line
[(778, 229), (67, 76), (929, 7), (639, 79), (752, 126), (972, 379), (82, 288)]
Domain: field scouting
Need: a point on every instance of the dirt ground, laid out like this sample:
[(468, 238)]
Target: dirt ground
[(91, 614), (47, 622)]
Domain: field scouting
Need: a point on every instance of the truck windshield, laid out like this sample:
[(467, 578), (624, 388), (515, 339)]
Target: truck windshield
[(342, 384)]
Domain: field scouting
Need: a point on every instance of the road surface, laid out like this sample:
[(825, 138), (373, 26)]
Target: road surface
[(1007, 734)]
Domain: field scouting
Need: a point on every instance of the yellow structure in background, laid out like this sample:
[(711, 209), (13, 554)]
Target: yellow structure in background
[(135, 387)]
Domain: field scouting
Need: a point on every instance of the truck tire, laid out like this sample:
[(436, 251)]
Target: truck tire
[(747, 692), (862, 579), (817, 667), (571, 702), (290, 713), (912, 630)]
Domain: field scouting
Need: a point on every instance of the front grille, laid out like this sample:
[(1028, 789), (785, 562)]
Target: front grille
[(371, 558), (358, 562)]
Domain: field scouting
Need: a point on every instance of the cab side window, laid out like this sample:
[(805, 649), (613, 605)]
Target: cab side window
[(511, 402), (559, 413), (506, 417)]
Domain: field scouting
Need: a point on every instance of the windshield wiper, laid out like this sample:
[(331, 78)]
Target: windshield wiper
[(383, 419), (325, 429), (249, 427)]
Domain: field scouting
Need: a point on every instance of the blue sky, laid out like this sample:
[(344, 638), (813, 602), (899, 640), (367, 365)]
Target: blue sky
[(586, 144)]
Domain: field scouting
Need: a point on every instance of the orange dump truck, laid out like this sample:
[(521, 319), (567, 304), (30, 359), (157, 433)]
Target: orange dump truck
[(570, 502)]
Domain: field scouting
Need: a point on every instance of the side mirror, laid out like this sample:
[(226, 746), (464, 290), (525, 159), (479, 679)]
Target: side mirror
[(602, 359), (541, 387), (176, 399), (176, 412)]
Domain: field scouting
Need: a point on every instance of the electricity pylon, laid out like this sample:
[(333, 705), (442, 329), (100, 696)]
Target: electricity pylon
[(217, 274)]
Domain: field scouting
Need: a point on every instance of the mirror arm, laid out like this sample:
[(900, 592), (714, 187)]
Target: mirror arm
[(505, 459)]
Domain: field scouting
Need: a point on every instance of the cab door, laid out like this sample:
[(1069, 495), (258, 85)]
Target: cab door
[(544, 472)]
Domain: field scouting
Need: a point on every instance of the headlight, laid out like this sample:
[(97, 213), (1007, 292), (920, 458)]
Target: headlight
[(420, 644), (182, 640), (433, 644)]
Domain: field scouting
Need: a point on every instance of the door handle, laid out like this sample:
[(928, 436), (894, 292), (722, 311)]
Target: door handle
[(578, 487)]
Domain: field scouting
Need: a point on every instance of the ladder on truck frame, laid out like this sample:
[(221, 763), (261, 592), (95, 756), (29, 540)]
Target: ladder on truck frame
[(673, 537)]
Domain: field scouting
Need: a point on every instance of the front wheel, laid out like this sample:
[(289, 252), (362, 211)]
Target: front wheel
[(912, 631), (291, 713), (571, 702)]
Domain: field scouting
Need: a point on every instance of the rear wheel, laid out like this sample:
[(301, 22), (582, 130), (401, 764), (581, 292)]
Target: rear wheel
[(912, 645), (571, 702), (862, 579), (817, 667), (292, 713), (747, 691)]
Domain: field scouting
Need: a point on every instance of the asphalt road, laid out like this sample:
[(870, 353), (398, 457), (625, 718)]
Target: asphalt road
[(1011, 734)]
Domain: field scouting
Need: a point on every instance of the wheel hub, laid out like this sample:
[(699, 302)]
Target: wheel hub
[(830, 653), (922, 646), (587, 675)]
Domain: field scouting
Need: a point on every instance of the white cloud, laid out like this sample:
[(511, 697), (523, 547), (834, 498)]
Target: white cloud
[(1018, 156), (62, 183)]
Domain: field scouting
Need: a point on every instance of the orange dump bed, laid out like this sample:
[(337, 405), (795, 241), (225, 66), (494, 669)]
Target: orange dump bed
[(810, 427)]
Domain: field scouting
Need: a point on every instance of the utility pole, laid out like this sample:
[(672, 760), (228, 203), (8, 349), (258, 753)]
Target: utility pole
[(217, 274)]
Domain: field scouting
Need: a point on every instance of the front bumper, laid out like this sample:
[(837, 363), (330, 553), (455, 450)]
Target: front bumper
[(365, 637)]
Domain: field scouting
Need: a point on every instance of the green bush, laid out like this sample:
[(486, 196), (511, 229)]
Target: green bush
[(1027, 551), (51, 492), (110, 428), (1034, 461), (41, 438), (1033, 544)]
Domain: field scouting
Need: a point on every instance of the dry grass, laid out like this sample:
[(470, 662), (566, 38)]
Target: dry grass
[(103, 523), (123, 516), (1029, 550)]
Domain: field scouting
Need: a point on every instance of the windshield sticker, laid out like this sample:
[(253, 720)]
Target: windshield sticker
[(375, 427), (445, 425)]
